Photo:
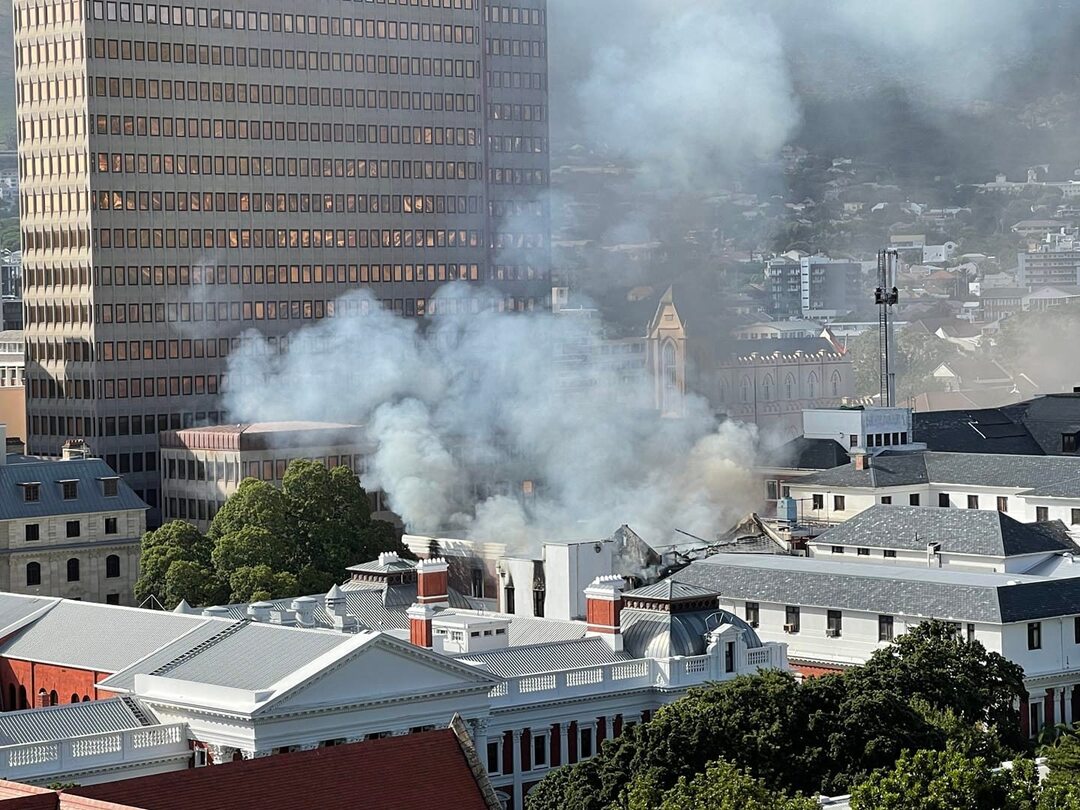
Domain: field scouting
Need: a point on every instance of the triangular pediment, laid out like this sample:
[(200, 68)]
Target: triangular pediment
[(380, 670)]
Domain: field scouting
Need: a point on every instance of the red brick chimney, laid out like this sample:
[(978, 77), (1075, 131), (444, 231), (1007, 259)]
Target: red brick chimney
[(603, 607), (432, 587), (42, 699), (861, 461), (420, 632)]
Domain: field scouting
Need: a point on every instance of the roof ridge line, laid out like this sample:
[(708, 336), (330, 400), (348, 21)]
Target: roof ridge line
[(200, 648)]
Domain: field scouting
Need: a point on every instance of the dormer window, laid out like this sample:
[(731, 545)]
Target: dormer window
[(110, 487), (31, 492), (1069, 442), (69, 490)]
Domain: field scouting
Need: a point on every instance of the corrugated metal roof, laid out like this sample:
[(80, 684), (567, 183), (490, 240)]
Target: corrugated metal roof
[(105, 638), (67, 720), (514, 661), (125, 679), (252, 656), (91, 497), (16, 609), (668, 590)]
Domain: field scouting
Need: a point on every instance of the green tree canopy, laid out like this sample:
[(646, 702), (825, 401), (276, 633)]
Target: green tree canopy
[(268, 543), (721, 786), (948, 780), (928, 690)]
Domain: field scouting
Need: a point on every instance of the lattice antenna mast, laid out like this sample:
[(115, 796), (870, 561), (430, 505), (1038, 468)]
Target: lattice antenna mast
[(886, 297)]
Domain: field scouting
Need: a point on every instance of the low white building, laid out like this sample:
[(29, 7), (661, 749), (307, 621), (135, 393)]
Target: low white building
[(836, 614), (393, 653)]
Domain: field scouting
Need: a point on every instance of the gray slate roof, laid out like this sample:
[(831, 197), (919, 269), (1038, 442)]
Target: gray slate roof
[(91, 498), (67, 720), (886, 589), (251, 656), (975, 469), (515, 661), (104, 638), (960, 531)]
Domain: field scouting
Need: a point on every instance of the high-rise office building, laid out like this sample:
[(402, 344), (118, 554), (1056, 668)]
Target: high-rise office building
[(193, 170)]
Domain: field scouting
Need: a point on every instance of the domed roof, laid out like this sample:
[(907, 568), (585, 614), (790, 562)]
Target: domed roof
[(656, 634), (651, 634)]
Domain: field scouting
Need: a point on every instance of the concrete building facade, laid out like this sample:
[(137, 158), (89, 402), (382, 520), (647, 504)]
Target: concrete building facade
[(201, 467), (192, 172)]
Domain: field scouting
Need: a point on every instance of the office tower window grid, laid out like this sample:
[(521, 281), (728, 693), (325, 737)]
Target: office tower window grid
[(190, 171)]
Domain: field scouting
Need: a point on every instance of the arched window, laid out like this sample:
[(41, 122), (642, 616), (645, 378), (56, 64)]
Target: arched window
[(811, 384), (112, 566), (33, 573), (53, 698), (12, 705), (745, 389), (74, 697), (22, 698), (85, 698), (789, 387), (836, 383), (767, 387), (73, 570)]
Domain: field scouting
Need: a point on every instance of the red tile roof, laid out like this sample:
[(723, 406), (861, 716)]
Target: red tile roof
[(415, 772)]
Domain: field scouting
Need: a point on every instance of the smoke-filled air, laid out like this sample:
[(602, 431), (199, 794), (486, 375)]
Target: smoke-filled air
[(508, 426)]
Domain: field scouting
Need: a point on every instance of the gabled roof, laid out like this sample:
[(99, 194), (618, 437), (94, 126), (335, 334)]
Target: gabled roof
[(959, 531), (67, 720), (251, 656), (886, 589), (196, 637), (91, 636), (17, 610), (514, 661), (429, 769), (87, 472), (974, 370)]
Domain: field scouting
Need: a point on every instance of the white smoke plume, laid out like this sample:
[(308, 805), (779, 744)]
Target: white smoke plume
[(461, 414), (685, 88)]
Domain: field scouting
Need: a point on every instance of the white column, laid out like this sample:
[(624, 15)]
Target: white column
[(478, 727), (518, 797), (609, 729), (564, 748), (1068, 718)]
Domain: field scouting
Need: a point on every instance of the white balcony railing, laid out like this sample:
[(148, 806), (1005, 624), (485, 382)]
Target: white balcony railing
[(56, 758), (646, 673)]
